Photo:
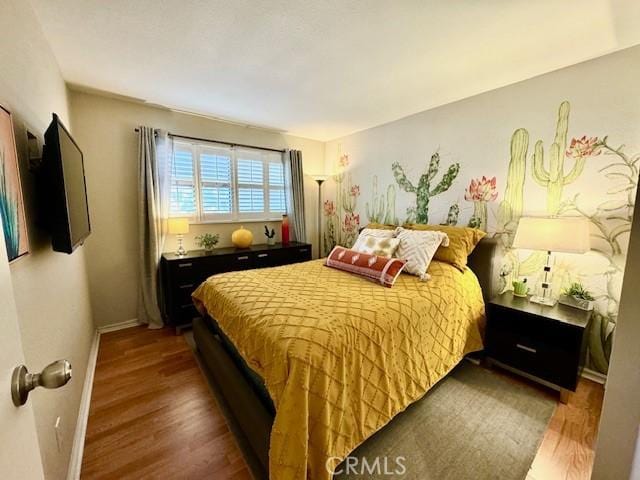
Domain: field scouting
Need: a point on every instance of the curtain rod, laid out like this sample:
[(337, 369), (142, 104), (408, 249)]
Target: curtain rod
[(221, 142)]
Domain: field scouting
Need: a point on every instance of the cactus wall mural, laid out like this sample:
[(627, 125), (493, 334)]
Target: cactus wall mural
[(493, 194), (425, 189)]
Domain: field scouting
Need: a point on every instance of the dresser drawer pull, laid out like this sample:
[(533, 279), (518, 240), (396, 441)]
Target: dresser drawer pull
[(190, 285), (188, 305), (244, 257), (183, 265), (303, 250), (526, 349), (262, 255)]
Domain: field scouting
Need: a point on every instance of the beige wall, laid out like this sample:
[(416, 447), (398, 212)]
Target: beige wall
[(104, 129), (51, 289)]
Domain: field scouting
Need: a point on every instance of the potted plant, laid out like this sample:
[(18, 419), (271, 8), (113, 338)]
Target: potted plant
[(271, 235), (577, 296), (208, 241)]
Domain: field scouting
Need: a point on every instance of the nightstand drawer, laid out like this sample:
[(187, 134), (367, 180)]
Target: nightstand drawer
[(535, 357)]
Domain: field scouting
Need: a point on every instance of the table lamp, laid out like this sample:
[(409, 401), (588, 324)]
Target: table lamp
[(178, 227), (556, 234)]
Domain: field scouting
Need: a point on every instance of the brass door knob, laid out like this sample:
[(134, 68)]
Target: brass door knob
[(54, 375)]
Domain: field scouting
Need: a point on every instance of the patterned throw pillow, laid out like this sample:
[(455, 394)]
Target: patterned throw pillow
[(372, 232), (417, 248), (382, 247), (379, 269)]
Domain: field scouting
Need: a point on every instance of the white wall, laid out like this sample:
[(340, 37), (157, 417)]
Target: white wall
[(51, 289), (618, 431), (104, 129)]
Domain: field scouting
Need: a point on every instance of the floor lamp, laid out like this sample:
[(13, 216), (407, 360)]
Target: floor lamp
[(320, 179)]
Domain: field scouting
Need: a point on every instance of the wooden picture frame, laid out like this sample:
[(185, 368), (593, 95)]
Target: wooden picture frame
[(12, 211)]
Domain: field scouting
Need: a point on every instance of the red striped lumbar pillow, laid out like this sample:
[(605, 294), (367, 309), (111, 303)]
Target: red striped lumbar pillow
[(379, 269)]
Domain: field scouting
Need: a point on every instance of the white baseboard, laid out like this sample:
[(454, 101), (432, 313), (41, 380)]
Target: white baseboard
[(119, 326), (75, 463), (594, 376)]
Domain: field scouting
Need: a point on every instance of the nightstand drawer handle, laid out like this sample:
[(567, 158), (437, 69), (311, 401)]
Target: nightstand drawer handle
[(183, 265), (262, 255), (244, 257), (526, 349), (190, 285)]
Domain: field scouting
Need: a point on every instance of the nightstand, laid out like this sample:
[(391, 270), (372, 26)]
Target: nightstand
[(545, 344)]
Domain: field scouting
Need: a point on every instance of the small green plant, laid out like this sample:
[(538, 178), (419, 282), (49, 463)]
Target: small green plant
[(208, 241), (269, 234), (576, 290)]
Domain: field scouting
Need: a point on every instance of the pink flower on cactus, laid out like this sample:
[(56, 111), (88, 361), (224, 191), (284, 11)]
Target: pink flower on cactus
[(355, 191), (351, 222), (481, 190), (584, 147), (329, 208), (344, 161)]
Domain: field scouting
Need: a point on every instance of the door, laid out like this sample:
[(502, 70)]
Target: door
[(19, 450)]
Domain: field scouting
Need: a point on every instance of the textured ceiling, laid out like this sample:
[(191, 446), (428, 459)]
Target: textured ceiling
[(324, 69)]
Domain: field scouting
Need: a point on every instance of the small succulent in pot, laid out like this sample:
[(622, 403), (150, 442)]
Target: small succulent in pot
[(577, 296), (270, 234), (576, 290), (208, 241)]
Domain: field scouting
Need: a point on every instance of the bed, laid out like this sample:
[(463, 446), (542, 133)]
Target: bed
[(312, 361)]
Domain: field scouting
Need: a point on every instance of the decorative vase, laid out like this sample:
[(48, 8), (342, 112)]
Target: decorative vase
[(285, 229), (271, 241), (242, 238)]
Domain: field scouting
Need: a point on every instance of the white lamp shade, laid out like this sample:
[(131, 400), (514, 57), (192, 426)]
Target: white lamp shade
[(178, 226), (320, 178), (558, 234)]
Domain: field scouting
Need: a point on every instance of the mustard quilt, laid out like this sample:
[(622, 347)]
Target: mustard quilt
[(339, 354)]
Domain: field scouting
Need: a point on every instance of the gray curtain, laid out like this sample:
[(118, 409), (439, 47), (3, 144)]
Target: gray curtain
[(155, 155), (294, 180)]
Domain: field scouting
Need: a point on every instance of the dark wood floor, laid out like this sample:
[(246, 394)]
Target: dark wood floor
[(153, 416)]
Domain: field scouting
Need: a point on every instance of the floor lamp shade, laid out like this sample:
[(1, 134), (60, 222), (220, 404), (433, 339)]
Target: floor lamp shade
[(566, 234)]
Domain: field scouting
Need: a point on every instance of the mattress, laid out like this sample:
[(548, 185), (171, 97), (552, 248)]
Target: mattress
[(339, 355)]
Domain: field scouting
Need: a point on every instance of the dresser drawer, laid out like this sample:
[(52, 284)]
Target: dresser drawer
[(240, 261), (270, 258)]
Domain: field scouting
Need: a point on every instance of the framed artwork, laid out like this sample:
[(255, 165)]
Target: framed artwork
[(11, 201)]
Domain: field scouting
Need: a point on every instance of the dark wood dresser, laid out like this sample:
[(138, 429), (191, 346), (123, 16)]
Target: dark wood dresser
[(547, 344), (180, 276)]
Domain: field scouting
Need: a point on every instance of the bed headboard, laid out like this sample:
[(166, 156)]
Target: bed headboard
[(484, 263)]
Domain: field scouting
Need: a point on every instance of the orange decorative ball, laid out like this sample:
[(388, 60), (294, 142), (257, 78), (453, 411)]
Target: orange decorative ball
[(242, 238)]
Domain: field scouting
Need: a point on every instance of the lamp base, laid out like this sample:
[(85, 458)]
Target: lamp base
[(548, 301), (181, 252)]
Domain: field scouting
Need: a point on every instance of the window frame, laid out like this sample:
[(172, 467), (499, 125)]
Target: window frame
[(266, 157)]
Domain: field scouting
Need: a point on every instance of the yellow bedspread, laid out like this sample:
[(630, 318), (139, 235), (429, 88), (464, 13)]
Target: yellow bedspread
[(341, 355)]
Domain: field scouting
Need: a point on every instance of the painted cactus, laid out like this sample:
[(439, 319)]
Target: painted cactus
[(480, 192), (553, 177), (511, 206), (424, 190), (382, 210), (452, 215)]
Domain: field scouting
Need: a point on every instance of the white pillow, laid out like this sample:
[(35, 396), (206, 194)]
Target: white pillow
[(417, 248), (371, 232), (380, 246)]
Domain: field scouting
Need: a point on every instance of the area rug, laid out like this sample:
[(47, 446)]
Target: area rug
[(474, 424)]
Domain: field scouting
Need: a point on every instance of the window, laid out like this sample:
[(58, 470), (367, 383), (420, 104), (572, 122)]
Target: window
[(216, 183)]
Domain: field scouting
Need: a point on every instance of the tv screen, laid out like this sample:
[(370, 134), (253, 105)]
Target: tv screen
[(66, 198)]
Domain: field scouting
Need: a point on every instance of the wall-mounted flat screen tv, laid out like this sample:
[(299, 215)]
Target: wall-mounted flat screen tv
[(65, 200)]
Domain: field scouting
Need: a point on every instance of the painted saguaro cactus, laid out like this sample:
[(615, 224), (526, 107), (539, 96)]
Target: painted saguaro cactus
[(511, 206), (381, 209), (424, 190), (553, 177)]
